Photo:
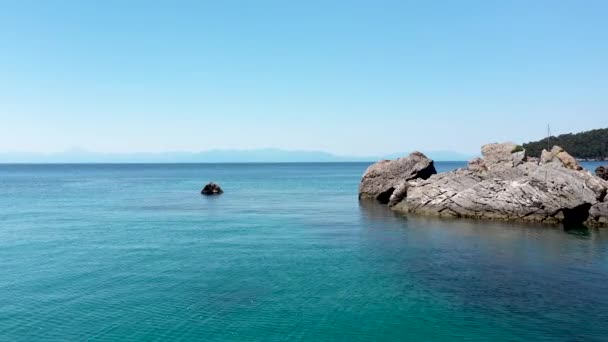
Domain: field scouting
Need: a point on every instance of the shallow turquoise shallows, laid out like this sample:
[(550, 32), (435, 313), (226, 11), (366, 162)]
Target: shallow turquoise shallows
[(135, 253)]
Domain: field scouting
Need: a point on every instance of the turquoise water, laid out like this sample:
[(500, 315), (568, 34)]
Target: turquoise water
[(133, 252)]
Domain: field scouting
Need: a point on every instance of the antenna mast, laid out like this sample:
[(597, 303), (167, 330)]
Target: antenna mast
[(548, 137)]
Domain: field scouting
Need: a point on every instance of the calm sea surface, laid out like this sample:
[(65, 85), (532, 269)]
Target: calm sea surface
[(134, 252)]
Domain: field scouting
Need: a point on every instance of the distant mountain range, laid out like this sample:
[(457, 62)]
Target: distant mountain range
[(270, 155)]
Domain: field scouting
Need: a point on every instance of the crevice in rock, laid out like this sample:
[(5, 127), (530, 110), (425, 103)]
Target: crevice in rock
[(426, 173), (399, 194), (384, 197), (575, 217)]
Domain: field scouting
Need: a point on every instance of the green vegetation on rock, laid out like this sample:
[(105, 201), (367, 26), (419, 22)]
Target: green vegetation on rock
[(585, 145), (517, 148)]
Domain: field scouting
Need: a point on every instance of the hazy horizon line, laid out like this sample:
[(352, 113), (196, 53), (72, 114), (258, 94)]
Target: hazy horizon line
[(254, 155)]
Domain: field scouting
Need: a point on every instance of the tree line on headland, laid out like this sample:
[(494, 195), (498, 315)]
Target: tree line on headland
[(589, 145)]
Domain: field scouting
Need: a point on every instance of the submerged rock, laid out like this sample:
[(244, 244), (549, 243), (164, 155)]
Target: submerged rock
[(382, 178), (505, 185), (212, 189)]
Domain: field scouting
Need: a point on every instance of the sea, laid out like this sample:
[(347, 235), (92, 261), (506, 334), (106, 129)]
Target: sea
[(133, 252)]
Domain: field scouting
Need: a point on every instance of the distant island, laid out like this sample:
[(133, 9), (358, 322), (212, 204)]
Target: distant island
[(589, 145)]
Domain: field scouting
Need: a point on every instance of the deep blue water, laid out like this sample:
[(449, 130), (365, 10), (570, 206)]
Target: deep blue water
[(133, 252)]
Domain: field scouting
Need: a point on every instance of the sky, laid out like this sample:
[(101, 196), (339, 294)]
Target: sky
[(346, 77)]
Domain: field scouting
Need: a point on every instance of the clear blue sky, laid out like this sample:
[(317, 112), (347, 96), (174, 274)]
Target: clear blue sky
[(351, 77)]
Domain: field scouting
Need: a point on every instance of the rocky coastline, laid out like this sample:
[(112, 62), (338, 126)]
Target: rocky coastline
[(505, 184)]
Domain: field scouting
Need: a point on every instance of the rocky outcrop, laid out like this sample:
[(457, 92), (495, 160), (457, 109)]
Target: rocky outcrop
[(602, 172), (381, 180), (505, 185), (505, 155), (558, 155), (598, 214), (212, 189)]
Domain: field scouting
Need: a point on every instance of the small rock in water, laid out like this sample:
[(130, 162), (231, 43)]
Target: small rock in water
[(212, 189), (602, 172)]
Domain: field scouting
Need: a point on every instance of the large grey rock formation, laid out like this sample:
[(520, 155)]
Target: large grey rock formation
[(504, 185), (381, 179)]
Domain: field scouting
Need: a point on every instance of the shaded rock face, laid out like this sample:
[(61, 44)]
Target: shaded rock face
[(602, 172), (505, 185), (386, 181), (212, 189)]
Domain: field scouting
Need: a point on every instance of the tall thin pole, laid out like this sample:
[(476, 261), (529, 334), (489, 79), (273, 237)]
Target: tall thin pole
[(548, 146), (548, 137)]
